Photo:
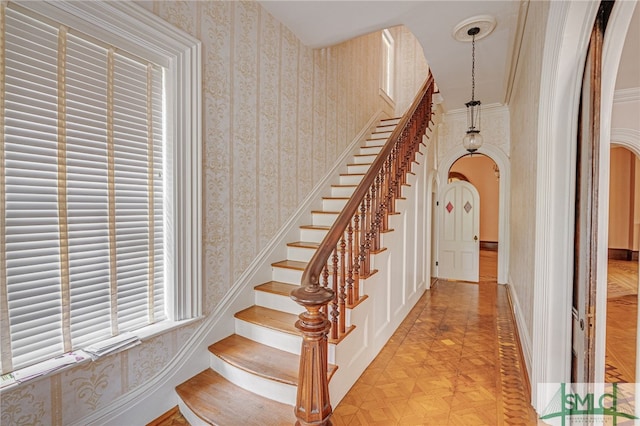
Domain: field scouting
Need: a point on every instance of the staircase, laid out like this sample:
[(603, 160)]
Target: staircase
[(253, 374)]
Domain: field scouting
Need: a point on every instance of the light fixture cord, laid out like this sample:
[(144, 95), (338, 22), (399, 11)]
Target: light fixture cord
[(473, 67)]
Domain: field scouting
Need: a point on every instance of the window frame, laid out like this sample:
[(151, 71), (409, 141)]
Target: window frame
[(135, 29), (388, 64)]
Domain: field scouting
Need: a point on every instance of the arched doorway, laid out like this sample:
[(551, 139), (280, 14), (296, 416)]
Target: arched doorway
[(483, 173), (497, 156), (567, 33), (622, 271)]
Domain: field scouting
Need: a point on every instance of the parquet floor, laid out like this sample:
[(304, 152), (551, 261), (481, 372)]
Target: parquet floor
[(455, 358), (622, 317), (453, 361)]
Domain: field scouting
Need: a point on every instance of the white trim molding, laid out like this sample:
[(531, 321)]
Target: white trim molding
[(614, 40), (627, 138), (134, 29), (504, 165), (521, 324)]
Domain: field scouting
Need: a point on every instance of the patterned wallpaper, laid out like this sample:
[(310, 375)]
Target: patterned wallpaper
[(411, 65), (276, 116), (495, 129), (524, 123)]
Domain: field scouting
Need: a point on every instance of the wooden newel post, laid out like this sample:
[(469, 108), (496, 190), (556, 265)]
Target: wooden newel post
[(313, 406)]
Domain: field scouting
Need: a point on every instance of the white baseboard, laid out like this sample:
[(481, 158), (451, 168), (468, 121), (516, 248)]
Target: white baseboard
[(523, 332)]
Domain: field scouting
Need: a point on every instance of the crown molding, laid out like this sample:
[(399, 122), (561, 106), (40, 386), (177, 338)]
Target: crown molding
[(515, 48), (489, 109)]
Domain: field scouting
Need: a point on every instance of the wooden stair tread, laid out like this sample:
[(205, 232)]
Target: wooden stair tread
[(323, 212), (276, 287), (261, 360), (336, 185), (304, 244), (270, 318), (335, 198), (219, 402), (351, 174), (258, 359), (290, 264), (359, 164)]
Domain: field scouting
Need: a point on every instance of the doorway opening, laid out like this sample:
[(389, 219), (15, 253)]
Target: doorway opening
[(484, 174), (622, 271)]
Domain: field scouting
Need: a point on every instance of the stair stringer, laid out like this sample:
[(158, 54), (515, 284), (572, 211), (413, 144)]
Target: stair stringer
[(392, 292), (158, 395)]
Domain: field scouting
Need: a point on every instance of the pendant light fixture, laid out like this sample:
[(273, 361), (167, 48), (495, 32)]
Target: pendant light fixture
[(472, 29), (473, 139)]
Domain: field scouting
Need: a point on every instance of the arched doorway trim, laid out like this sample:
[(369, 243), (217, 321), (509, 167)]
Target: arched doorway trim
[(569, 26), (614, 40), (568, 29), (502, 160), (627, 138)]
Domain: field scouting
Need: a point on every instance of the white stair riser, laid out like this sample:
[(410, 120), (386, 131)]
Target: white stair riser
[(370, 150), (313, 235), (364, 159), (271, 389), (300, 253), (383, 135), (323, 219), (350, 179), (333, 204), (342, 191), (189, 415), (386, 127), (277, 302), (358, 168), (370, 143), (268, 336), (286, 275)]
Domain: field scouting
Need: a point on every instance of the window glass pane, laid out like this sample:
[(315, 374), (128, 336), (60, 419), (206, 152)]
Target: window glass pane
[(57, 177)]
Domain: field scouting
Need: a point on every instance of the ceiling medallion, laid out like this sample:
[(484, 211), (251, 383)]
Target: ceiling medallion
[(485, 23)]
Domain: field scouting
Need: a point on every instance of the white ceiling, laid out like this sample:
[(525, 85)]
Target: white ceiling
[(324, 23), (629, 70)]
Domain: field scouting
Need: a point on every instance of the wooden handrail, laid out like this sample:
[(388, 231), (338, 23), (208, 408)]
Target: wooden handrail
[(343, 257)]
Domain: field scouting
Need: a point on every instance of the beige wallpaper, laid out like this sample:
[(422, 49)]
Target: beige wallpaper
[(412, 66), (524, 123), (276, 116)]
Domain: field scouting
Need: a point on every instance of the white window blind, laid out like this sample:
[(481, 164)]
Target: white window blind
[(82, 188)]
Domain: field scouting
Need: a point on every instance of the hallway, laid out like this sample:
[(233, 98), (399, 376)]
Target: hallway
[(453, 361)]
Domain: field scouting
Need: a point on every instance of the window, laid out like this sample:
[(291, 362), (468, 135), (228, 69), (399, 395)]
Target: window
[(387, 63), (100, 176)]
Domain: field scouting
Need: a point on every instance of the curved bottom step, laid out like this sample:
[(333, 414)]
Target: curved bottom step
[(217, 401)]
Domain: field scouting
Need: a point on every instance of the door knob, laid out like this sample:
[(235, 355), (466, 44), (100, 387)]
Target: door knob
[(475, 238)]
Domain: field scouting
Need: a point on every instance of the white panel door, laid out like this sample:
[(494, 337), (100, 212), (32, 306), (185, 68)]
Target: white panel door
[(459, 253)]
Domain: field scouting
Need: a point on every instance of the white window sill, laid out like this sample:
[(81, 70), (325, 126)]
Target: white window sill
[(72, 359)]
